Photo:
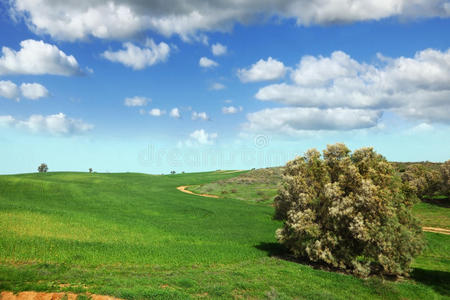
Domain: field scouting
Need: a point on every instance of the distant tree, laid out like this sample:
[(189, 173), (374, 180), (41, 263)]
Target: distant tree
[(445, 174), (43, 168), (421, 181), (172, 172), (348, 211), (90, 170)]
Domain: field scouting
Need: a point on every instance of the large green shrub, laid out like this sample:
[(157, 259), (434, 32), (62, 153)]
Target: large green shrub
[(348, 211), (445, 174), (421, 181)]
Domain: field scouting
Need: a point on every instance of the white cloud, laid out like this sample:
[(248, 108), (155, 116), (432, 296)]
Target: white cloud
[(37, 58), (218, 49), (228, 110), (33, 91), (156, 112), (175, 113), (202, 137), (136, 101), (416, 88), (199, 116), (139, 58), (121, 19), (295, 120), (217, 86), (262, 70), (58, 124), (205, 62), (9, 90)]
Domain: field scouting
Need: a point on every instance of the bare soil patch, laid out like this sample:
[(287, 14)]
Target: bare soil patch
[(183, 189), (31, 295)]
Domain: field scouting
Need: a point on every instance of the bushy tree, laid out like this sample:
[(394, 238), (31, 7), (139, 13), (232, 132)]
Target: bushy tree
[(90, 170), (421, 181), (348, 211), (445, 174), (43, 168)]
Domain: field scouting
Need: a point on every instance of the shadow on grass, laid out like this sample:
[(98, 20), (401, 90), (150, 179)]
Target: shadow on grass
[(437, 280), (438, 201)]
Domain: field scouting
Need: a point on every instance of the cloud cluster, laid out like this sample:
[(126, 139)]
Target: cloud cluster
[(417, 88), (139, 58), (156, 112), (136, 101), (32, 91), (218, 49), (121, 19), (58, 124), (37, 58), (199, 116), (205, 62), (216, 86), (229, 110), (175, 113), (263, 70)]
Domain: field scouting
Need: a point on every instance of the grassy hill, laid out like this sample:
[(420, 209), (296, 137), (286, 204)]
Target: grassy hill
[(136, 236)]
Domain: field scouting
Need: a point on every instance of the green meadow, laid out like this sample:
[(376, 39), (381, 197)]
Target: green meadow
[(135, 236)]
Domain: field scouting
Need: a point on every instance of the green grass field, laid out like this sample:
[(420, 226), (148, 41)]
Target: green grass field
[(135, 236)]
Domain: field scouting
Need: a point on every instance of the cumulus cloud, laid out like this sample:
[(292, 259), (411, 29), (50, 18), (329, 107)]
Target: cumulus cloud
[(262, 70), (229, 110), (33, 91), (295, 120), (416, 87), (156, 112), (58, 124), (121, 19), (136, 101), (139, 58), (205, 62), (216, 86), (199, 116), (202, 137), (37, 58), (175, 113), (9, 90), (218, 49)]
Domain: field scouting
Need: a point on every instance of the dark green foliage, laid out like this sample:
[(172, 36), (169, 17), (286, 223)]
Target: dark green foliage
[(348, 211), (43, 168)]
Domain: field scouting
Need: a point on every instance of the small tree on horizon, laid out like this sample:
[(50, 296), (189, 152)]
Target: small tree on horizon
[(348, 211), (90, 170), (43, 168)]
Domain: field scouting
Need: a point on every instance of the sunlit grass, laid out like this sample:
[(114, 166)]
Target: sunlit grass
[(136, 236)]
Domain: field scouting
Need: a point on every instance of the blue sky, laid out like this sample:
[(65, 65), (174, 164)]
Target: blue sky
[(149, 87)]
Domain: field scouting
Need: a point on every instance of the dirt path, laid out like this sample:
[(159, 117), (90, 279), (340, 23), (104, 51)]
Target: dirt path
[(183, 189), (436, 230), (49, 296)]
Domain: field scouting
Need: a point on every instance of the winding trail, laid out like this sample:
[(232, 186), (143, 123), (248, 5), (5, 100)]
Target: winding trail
[(183, 188), (436, 230)]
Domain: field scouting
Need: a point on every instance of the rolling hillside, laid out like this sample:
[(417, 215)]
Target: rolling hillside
[(136, 236)]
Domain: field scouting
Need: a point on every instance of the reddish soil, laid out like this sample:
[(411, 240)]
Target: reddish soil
[(49, 296)]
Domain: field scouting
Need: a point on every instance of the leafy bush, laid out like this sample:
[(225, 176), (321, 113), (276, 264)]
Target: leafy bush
[(445, 174), (421, 181), (43, 168), (348, 211)]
